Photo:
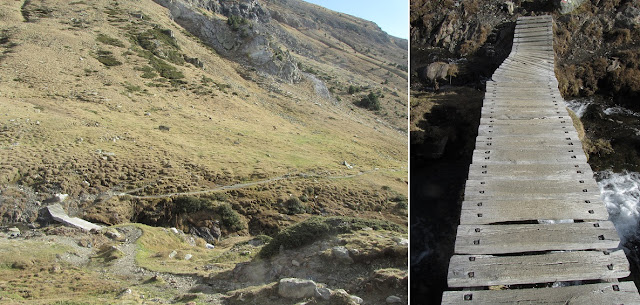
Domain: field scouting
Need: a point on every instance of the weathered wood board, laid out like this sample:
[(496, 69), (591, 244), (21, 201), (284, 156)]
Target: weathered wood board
[(575, 171), (592, 294), (490, 210), (488, 270), (500, 239)]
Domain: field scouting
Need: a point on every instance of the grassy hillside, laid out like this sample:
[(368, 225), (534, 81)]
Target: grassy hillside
[(124, 110)]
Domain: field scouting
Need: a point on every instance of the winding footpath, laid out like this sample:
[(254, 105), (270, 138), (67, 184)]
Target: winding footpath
[(533, 229)]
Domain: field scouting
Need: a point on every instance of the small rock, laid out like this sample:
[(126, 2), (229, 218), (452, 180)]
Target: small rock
[(341, 254), (209, 246), (356, 299), (61, 197), (125, 293), (113, 234), (295, 263), (55, 269), (188, 257), (173, 254), (14, 232), (509, 7), (294, 288), (349, 166), (147, 113), (174, 231), (401, 241), (393, 299), (324, 293)]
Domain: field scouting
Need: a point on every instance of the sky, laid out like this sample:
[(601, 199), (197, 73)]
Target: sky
[(392, 16)]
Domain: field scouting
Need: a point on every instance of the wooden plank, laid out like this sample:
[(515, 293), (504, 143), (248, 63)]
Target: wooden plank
[(497, 183), (485, 270), (488, 211), (539, 141), (534, 189), (520, 238), (552, 120), (524, 129), (574, 171), (513, 130), (592, 294), (519, 116), (526, 157)]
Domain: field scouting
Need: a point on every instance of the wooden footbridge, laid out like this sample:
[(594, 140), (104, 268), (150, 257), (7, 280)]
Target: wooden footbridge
[(533, 229)]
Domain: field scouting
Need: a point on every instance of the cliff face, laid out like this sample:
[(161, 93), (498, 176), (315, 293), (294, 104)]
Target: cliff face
[(263, 35)]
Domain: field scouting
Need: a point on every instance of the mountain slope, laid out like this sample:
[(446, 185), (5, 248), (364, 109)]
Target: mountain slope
[(136, 117)]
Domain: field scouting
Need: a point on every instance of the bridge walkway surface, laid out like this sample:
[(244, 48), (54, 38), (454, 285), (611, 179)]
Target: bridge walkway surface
[(533, 229)]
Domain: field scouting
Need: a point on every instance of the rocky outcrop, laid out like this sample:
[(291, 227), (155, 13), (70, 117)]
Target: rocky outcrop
[(240, 38), (294, 288)]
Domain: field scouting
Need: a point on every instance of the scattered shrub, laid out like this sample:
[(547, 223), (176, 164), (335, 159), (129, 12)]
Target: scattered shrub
[(107, 59), (109, 40), (189, 204), (235, 22), (229, 218), (370, 101), (294, 206)]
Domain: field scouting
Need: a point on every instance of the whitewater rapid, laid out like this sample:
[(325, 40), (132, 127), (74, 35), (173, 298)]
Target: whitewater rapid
[(621, 195)]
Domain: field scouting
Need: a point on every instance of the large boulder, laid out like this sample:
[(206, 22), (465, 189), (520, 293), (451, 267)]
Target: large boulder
[(294, 288)]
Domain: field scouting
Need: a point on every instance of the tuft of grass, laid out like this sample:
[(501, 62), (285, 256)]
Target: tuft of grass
[(316, 228), (109, 40)]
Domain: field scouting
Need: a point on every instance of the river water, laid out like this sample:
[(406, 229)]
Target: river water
[(620, 191)]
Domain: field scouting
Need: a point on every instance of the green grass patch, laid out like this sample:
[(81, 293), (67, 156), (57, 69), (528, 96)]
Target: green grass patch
[(109, 40), (316, 228)]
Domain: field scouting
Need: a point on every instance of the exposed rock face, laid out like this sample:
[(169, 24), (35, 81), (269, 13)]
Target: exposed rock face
[(245, 42)]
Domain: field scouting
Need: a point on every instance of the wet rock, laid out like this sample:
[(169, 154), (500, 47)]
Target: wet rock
[(294, 288), (323, 293), (392, 299)]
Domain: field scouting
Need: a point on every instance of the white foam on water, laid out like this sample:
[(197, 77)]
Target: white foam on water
[(578, 106), (620, 110), (621, 195)]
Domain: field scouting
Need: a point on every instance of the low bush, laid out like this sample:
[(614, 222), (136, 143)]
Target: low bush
[(370, 101), (316, 228), (229, 218)]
